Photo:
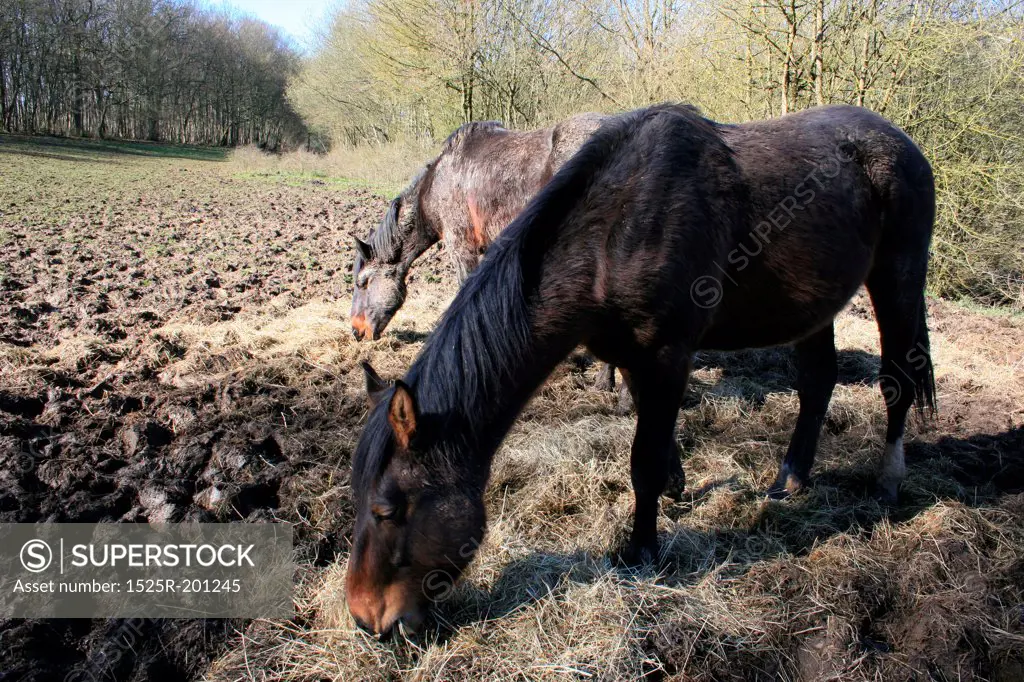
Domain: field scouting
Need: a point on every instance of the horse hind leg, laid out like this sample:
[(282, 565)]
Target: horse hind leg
[(605, 378), (905, 376), (817, 372)]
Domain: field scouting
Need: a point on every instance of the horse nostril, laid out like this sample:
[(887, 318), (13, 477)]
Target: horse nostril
[(363, 625), (383, 635), (411, 623)]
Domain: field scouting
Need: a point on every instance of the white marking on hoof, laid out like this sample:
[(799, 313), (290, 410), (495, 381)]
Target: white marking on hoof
[(894, 468)]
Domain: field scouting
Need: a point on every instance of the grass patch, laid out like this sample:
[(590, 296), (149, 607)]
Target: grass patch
[(292, 178), (382, 168), (973, 306)]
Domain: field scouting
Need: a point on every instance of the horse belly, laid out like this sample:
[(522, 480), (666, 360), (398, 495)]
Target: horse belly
[(767, 311), (767, 326)]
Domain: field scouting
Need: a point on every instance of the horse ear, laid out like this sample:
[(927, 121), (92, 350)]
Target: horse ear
[(402, 414), (375, 386), (364, 249)]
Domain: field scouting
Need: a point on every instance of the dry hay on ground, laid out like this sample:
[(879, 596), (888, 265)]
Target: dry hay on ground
[(171, 328), (825, 586)]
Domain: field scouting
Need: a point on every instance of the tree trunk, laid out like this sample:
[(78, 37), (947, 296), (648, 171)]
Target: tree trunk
[(788, 83), (818, 48)]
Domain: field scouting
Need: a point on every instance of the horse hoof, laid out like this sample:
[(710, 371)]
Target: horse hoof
[(785, 487), (636, 556), (887, 493), (675, 489)]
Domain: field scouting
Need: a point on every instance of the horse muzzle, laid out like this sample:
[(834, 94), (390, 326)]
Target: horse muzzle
[(362, 329), (384, 613)]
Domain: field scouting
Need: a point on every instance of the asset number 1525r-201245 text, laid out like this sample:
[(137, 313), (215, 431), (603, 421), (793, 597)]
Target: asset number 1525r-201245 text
[(184, 585)]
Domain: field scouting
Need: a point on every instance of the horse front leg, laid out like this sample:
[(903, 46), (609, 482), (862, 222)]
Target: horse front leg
[(462, 254), (658, 392), (605, 382)]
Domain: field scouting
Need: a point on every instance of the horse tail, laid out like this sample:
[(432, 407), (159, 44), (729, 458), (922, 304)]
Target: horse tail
[(924, 376), (922, 371), (918, 197), (904, 187)]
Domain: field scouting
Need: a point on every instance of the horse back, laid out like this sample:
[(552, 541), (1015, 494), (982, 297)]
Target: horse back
[(827, 189), (783, 218), (486, 174)]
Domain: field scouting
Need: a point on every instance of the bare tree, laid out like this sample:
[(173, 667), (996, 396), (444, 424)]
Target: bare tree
[(152, 69)]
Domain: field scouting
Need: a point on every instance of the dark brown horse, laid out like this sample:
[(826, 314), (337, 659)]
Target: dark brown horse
[(665, 234), (483, 177)]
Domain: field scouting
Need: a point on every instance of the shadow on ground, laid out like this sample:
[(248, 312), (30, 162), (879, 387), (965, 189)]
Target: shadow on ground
[(68, 149), (776, 370), (977, 471)]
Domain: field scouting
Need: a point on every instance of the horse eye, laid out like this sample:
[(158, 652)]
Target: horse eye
[(383, 512)]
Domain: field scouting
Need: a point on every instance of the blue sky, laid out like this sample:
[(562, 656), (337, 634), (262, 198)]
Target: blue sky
[(297, 18)]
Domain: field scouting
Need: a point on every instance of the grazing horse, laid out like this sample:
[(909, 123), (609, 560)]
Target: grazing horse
[(483, 177), (665, 234)]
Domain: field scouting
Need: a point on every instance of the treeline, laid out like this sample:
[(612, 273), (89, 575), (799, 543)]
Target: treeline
[(950, 72), (144, 69)]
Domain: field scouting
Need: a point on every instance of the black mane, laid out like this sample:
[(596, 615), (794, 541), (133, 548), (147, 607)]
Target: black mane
[(387, 238), (481, 340)]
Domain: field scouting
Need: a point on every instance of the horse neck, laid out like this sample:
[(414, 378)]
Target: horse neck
[(416, 241), (421, 238), (487, 357), (532, 300)]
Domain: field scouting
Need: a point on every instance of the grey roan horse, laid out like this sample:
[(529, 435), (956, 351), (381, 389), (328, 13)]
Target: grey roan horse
[(665, 234), (481, 180)]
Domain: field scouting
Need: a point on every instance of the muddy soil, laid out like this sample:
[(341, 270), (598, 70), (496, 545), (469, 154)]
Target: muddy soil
[(88, 430)]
